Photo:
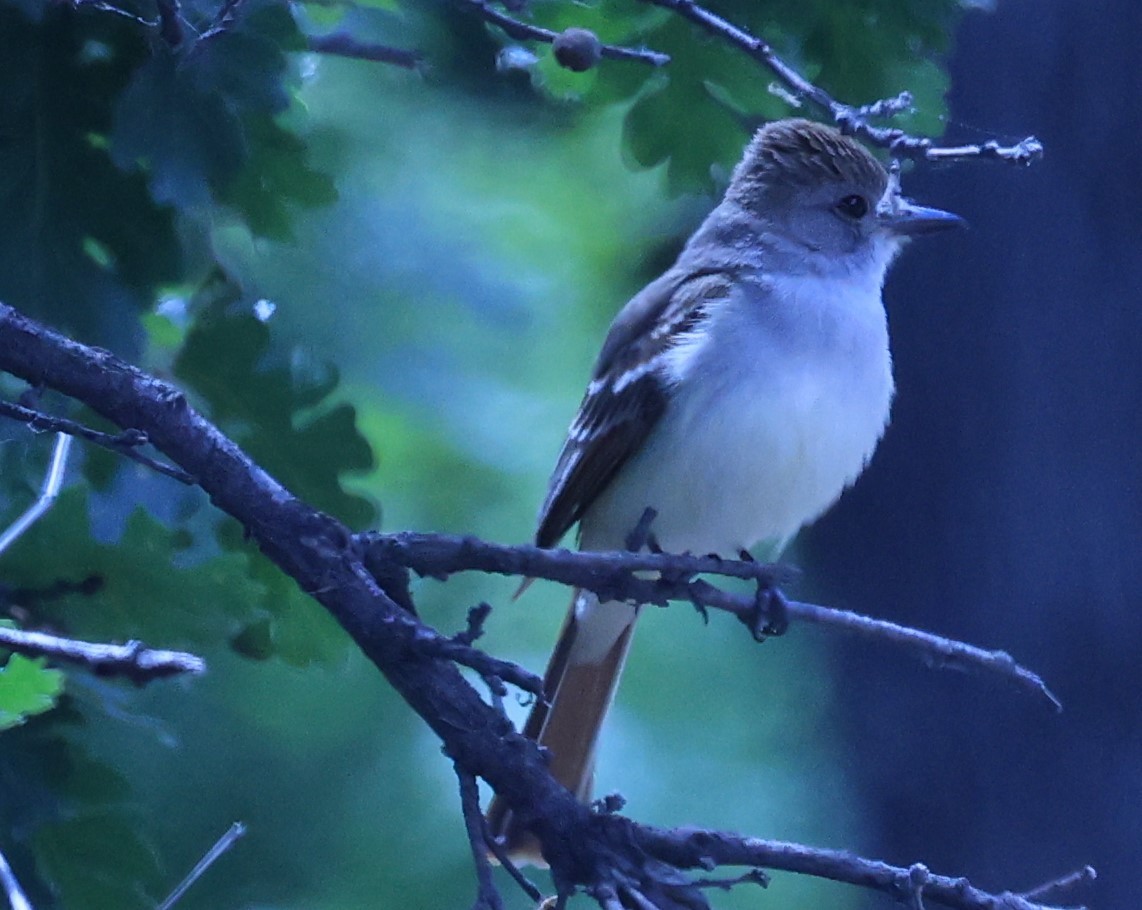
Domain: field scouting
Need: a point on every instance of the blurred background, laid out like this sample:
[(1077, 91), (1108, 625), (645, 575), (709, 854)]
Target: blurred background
[(389, 285)]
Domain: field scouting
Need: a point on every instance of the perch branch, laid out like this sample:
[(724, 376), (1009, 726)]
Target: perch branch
[(849, 118), (602, 854), (132, 660), (523, 31), (615, 576)]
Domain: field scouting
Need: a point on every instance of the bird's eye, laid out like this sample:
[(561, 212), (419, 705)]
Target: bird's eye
[(854, 206)]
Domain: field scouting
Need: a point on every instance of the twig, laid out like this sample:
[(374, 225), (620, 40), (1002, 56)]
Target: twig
[(342, 44), (692, 849), (487, 897), (430, 642), (12, 890), (505, 861), (132, 660), (615, 576), (49, 490), (125, 443), (523, 31), (849, 118), (224, 843), (1072, 881)]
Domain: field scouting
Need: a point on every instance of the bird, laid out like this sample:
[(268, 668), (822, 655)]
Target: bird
[(737, 395)]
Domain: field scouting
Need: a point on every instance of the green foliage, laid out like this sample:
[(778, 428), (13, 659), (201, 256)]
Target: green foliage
[(279, 413), (859, 51), (67, 253), (434, 313), (27, 687)]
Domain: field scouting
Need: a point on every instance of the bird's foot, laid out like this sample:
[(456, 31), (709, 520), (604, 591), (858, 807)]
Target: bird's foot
[(770, 614)]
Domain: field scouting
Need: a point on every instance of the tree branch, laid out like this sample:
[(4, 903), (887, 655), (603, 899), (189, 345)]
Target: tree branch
[(850, 119), (615, 576), (618, 862), (126, 443), (523, 31), (132, 660), (342, 44)]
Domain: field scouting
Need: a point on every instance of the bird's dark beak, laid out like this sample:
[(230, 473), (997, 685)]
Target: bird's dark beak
[(910, 220)]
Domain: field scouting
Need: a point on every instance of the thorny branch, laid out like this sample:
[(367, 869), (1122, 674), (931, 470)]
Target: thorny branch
[(620, 863), (850, 119)]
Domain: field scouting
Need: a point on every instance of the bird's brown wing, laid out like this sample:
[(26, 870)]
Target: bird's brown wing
[(627, 395)]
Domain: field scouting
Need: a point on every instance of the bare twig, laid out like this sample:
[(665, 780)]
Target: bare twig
[(430, 642), (505, 861), (12, 890), (1062, 885), (223, 844), (49, 490), (125, 443), (692, 849), (616, 576), (132, 660), (342, 44), (849, 118), (523, 31), (487, 897)]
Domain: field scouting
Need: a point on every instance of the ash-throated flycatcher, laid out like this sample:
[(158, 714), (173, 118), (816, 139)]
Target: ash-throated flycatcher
[(737, 395)]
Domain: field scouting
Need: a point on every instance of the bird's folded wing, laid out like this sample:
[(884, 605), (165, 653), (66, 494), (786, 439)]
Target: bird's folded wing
[(628, 393)]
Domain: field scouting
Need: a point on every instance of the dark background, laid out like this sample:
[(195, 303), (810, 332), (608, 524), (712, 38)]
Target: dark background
[(1005, 506)]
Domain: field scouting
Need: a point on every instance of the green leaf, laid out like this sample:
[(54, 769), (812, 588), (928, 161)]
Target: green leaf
[(27, 687), (82, 244), (280, 414), (199, 121), (277, 180), (99, 861)]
